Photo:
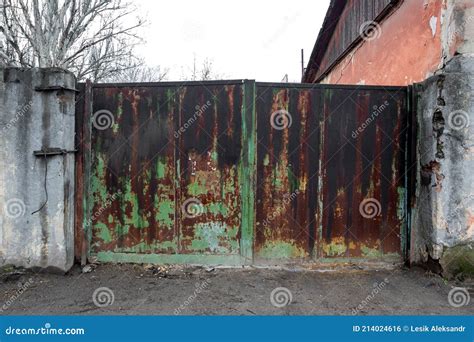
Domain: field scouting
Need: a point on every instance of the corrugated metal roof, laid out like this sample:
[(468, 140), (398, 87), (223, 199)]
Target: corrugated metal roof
[(340, 32)]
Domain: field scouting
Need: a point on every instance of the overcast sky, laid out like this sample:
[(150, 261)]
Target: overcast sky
[(254, 39)]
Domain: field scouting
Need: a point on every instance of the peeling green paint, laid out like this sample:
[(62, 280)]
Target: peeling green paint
[(370, 252), (143, 247), (229, 185), (282, 250), (277, 178), (99, 190), (118, 113), (266, 160), (218, 209), (214, 155), (131, 206), (161, 165), (122, 230), (103, 232), (198, 187), (292, 180), (215, 236), (164, 212), (335, 248)]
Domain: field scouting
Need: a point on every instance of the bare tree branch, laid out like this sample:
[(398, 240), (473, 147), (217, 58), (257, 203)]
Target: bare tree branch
[(204, 73), (88, 37), (142, 73)]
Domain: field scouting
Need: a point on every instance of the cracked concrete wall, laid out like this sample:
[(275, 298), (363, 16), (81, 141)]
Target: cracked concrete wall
[(443, 229), (35, 114)]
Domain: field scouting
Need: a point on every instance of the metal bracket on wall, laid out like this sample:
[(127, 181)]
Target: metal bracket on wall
[(52, 151), (48, 152), (55, 88)]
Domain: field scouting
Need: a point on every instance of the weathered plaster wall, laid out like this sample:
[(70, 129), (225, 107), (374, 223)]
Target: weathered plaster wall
[(443, 224), (444, 215), (406, 48), (30, 119)]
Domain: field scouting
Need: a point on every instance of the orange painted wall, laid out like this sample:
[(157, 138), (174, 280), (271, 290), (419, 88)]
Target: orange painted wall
[(407, 50)]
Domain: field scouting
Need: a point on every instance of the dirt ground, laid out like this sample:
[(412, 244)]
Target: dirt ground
[(154, 290)]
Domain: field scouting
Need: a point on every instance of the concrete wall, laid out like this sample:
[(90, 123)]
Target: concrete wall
[(32, 116), (443, 225), (406, 48)]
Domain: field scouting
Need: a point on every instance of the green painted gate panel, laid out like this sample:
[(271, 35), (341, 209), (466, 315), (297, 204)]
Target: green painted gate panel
[(209, 151), (169, 175), (133, 189)]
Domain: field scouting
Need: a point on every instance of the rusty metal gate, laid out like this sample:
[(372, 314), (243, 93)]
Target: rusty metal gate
[(238, 172)]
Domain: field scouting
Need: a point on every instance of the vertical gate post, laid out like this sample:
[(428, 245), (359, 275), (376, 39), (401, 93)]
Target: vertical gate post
[(248, 172), (83, 145)]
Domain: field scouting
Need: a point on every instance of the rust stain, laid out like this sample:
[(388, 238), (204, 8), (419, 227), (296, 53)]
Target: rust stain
[(432, 168), (283, 180), (167, 176), (363, 161)]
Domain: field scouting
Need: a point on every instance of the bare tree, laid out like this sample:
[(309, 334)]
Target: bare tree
[(87, 37), (207, 72), (203, 73), (142, 73)]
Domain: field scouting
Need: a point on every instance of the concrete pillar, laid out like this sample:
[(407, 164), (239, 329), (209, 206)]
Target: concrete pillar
[(443, 223), (36, 112)]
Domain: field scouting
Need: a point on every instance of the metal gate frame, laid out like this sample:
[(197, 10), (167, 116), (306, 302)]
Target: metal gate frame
[(83, 201), (395, 117)]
